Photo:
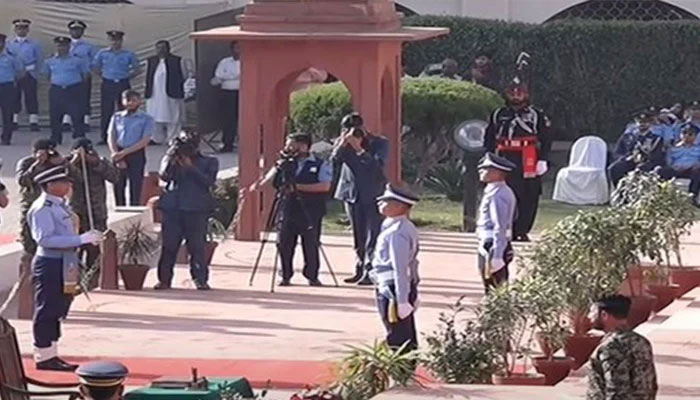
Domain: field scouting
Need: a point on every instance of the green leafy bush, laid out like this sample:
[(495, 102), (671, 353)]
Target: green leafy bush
[(458, 351), (432, 108), (589, 75)]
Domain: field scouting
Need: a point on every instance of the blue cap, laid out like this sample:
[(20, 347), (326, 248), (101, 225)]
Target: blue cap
[(21, 22), (402, 195), (694, 105), (61, 40), (688, 126), (58, 173), (102, 374), (114, 34), (77, 24), (491, 160)]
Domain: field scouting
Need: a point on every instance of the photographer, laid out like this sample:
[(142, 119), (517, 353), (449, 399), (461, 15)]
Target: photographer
[(99, 171), (186, 206), (304, 181), (363, 156)]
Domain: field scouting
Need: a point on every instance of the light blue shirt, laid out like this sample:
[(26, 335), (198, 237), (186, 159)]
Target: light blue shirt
[(395, 261), (28, 51), (65, 71), (129, 129), (10, 67), (683, 157), (51, 225), (325, 172), (495, 217), (83, 50), (665, 131), (115, 65), (677, 130)]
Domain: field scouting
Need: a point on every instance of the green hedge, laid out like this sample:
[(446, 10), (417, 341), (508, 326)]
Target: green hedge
[(432, 108), (590, 76)]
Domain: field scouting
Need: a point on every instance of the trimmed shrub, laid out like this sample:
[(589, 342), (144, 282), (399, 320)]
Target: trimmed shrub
[(589, 76), (432, 108)]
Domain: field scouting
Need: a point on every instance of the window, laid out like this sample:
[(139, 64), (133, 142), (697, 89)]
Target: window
[(627, 10)]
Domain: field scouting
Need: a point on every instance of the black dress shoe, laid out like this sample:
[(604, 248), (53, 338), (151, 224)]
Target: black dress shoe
[(521, 238), (285, 282), (202, 285), (34, 127), (67, 364), (161, 286), (315, 283), (354, 279), (365, 281), (55, 364)]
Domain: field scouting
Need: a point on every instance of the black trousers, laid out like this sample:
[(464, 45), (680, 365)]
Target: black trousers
[(62, 101), (27, 88), (402, 331), (135, 167), (111, 99), (527, 192), (229, 113), (618, 169), (484, 256), (693, 174), (366, 223), (8, 98), (192, 227), (50, 303), (87, 95), (293, 225)]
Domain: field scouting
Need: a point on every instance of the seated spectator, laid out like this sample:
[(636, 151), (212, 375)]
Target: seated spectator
[(639, 148), (692, 116), (483, 72), (683, 160), (667, 127), (449, 69)]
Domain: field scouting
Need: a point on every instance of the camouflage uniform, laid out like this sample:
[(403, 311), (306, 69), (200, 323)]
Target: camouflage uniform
[(30, 191), (622, 368), (98, 174)]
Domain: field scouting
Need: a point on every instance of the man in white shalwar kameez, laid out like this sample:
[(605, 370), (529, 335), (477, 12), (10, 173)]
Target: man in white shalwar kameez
[(165, 76)]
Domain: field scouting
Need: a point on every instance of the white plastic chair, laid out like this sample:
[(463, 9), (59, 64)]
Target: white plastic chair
[(585, 180)]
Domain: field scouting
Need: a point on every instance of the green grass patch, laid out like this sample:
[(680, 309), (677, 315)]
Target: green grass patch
[(436, 213)]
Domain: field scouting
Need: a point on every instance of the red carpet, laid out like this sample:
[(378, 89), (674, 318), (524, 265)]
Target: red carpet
[(6, 239), (279, 373)]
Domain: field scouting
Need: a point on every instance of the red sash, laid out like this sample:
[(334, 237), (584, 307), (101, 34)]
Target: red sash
[(527, 145)]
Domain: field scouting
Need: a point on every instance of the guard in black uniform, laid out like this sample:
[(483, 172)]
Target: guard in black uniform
[(305, 180), (521, 133)]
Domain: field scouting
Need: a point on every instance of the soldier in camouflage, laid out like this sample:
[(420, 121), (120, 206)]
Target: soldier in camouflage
[(622, 367), (99, 171), (44, 157)]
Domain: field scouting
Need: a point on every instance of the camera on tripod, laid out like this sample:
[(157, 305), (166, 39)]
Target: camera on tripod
[(286, 170), (184, 145)]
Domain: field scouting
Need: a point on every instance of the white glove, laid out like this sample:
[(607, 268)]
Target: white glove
[(497, 264), (542, 168), (405, 309), (91, 237)]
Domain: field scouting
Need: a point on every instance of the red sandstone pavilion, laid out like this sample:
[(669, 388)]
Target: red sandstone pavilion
[(358, 41)]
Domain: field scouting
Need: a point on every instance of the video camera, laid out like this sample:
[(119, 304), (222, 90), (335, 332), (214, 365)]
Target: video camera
[(286, 170), (184, 145)]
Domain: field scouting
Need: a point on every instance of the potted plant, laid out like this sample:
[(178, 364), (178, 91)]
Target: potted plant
[(215, 230), (505, 319), (658, 281), (547, 307), (136, 248), (458, 351), (369, 370)]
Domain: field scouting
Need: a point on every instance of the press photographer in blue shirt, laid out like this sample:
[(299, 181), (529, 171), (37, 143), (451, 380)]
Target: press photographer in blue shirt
[(67, 74), (303, 180), (186, 207)]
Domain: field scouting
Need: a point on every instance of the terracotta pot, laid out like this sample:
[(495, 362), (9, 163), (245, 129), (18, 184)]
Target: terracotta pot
[(640, 310), (155, 210), (688, 278), (545, 346), (580, 348), (133, 275), (580, 323), (665, 294), (183, 256), (554, 370), (518, 379), (633, 285)]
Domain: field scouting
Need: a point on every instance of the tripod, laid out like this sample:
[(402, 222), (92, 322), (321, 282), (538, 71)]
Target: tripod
[(271, 223)]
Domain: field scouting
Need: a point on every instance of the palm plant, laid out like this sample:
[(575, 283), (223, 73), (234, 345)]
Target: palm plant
[(136, 245), (368, 370)]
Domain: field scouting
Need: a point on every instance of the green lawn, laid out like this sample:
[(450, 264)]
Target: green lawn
[(439, 214)]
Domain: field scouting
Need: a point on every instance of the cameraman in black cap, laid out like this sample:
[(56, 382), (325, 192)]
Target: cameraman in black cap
[(304, 181), (362, 156), (186, 206)]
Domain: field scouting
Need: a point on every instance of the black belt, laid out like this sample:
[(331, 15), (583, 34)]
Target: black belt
[(64, 87), (107, 80)]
